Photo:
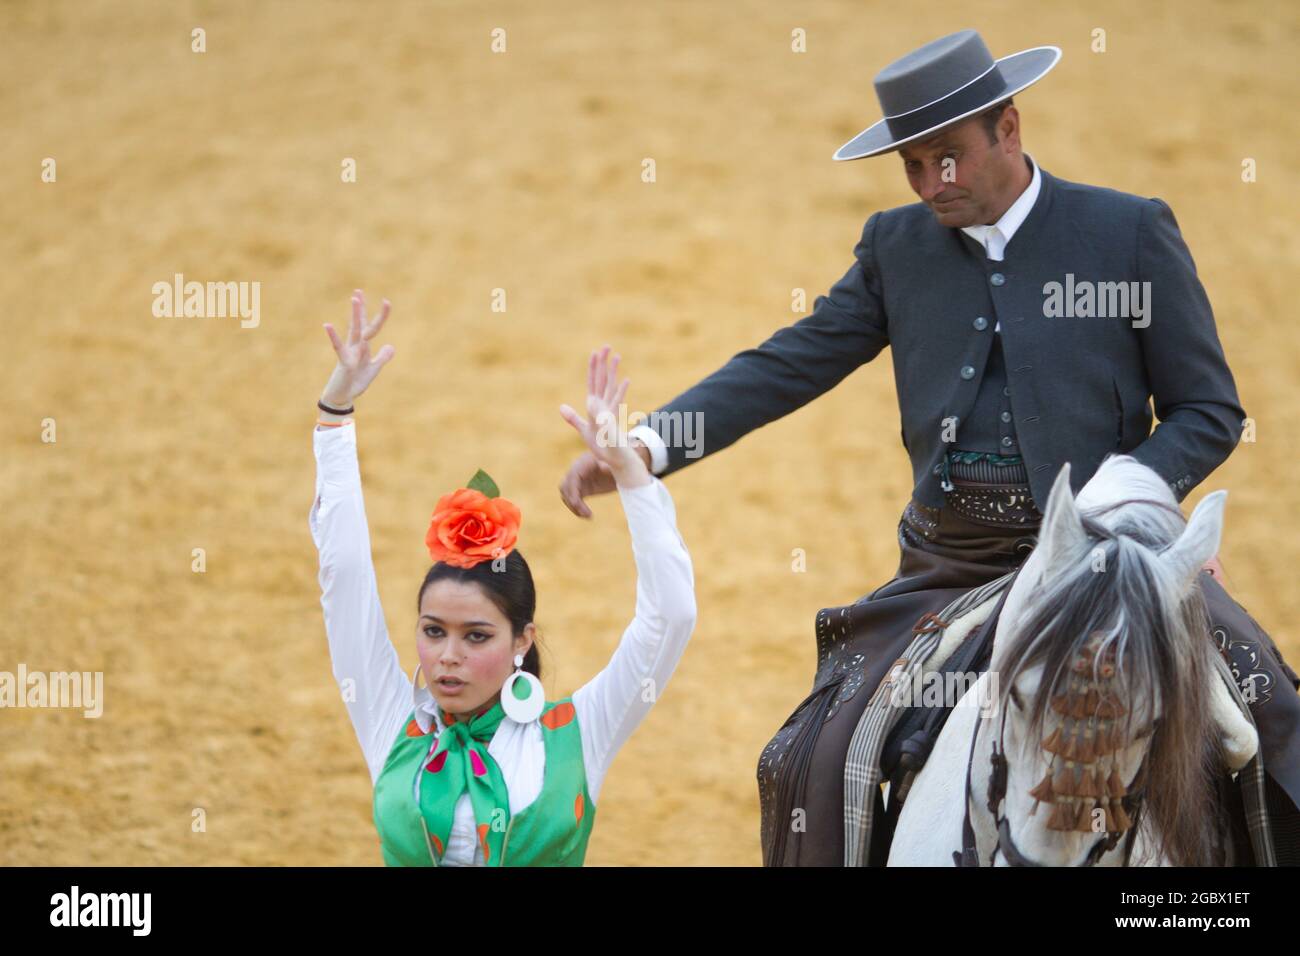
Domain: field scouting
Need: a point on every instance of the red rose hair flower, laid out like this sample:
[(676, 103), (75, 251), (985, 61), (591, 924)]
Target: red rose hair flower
[(470, 527)]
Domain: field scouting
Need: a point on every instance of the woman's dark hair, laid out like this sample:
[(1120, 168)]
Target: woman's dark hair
[(510, 589)]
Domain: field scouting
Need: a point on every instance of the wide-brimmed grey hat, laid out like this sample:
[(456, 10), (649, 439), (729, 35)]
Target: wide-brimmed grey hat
[(943, 82)]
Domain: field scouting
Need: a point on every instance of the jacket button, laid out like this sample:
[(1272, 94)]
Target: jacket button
[(981, 324), (968, 372), (1006, 442), (997, 278), (1006, 390), (1006, 416)]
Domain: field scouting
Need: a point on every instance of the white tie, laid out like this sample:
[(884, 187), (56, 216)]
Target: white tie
[(994, 243)]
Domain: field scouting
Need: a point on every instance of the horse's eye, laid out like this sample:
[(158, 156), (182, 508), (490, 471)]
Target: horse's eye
[(1146, 731)]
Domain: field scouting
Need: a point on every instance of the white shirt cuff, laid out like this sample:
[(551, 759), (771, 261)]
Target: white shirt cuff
[(336, 455), (651, 439)]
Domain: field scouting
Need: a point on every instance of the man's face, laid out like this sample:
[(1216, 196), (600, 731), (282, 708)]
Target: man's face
[(965, 180)]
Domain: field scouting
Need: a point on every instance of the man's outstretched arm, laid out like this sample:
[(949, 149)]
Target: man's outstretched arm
[(847, 328)]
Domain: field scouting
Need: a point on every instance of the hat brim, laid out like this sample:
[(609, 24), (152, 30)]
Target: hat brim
[(1019, 71)]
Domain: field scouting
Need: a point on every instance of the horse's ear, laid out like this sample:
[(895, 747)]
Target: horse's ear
[(1061, 533), (1200, 539)]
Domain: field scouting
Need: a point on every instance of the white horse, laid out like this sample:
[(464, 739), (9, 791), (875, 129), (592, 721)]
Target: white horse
[(1107, 608)]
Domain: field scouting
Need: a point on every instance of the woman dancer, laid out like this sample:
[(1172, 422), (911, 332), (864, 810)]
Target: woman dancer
[(475, 768)]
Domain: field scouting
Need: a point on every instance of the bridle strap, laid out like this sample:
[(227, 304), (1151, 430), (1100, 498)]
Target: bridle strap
[(1009, 849), (968, 855)]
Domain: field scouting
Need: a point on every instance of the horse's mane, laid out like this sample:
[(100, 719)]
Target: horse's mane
[(1158, 633)]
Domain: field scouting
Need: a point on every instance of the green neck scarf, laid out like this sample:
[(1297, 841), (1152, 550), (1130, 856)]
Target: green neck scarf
[(461, 762)]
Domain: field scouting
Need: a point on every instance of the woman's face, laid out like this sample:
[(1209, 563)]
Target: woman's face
[(466, 646)]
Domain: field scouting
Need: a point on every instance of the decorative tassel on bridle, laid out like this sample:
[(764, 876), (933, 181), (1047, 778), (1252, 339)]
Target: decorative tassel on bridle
[(1082, 783)]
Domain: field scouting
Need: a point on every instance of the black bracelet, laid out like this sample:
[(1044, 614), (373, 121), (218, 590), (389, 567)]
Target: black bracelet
[(335, 411)]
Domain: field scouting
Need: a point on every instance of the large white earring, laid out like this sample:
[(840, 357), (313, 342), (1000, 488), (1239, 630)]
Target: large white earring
[(522, 710)]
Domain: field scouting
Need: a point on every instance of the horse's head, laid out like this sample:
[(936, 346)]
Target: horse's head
[(1102, 656)]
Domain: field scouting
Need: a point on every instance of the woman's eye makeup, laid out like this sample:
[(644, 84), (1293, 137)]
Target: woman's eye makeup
[(476, 637)]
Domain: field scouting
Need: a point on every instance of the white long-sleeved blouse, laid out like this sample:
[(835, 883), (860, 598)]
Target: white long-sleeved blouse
[(379, 695)]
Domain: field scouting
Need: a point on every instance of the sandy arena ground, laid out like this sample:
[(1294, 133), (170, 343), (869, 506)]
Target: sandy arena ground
[(518, 171)]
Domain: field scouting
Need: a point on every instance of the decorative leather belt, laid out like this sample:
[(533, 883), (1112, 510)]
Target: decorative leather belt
[(982, 487), (991, 489), (1003, 506)]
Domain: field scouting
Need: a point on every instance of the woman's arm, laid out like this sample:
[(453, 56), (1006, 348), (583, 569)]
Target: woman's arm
[(375, 690), (613, 703)]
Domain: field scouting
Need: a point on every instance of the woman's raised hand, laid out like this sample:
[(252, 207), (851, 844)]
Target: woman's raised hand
[(603, 432), (356, 369)]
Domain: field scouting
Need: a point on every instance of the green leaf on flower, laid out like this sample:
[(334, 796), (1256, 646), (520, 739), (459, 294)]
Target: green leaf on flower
[(483, 482)]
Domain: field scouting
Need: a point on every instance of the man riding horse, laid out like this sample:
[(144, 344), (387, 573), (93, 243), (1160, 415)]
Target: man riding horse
[(998, 388)]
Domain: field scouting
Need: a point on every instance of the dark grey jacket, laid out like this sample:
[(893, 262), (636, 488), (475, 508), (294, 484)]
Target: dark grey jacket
[(1080, 388)]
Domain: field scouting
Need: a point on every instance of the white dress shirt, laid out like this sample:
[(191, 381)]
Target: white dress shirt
[(653, 441), (993, 238), (379, 696)]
